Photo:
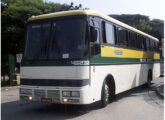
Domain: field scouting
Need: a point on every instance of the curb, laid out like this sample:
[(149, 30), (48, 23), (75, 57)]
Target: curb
[(160, 91)]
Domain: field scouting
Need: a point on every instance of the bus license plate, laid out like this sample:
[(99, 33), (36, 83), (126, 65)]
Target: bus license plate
[(46, 99)]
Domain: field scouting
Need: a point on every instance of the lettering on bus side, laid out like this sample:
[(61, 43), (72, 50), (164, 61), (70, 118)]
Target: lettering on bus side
[(80, 62), (118, 52)]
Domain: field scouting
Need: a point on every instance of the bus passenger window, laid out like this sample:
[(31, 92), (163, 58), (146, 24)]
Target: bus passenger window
[(121, 36), (152, 45), (115, 35), (157, 46), (127, 38), (144, 43), (148, 44), (95, 41), (109, 34), (94, 35), (132, 38)]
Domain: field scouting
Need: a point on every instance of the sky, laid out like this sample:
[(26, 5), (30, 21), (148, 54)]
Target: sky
[(152, 8)]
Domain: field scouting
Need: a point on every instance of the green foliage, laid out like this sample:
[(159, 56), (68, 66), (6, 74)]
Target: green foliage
[(156, 22), (143, 25), (153, 27), (130, 19), (158, 28)]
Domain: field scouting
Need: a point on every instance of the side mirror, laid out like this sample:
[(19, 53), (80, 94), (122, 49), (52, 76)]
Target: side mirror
[(93, 34)]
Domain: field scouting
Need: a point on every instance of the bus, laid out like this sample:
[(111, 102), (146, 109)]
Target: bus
[(84, 56)]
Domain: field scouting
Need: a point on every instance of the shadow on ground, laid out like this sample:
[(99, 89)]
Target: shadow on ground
[(37, 111)]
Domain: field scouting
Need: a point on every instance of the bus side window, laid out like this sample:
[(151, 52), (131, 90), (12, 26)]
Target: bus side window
[(94, 39), (148, 44), (108, 31), (157, 46), (115, 35), (121, 36), (132, 40), (138, 42), (152, 45), (127, 38), (144, 43), (94, 35)]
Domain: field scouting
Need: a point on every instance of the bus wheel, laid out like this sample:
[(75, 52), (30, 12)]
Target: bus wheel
[(149, 79), (105, 95)]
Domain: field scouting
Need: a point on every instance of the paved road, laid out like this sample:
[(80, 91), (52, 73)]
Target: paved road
[(136, 104)]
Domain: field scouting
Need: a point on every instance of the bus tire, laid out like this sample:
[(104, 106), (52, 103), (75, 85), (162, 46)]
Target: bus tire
[(149, 78), (105, 95)]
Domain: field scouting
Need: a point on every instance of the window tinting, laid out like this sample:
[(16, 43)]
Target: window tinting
[(115, 35), (95, 39), (94, 32), (142, 42), (139, 42), (132, 38), (127, 38), (37, 36), (152, 45), (121, 36), (65, 39), (157, 46), (148, 44)]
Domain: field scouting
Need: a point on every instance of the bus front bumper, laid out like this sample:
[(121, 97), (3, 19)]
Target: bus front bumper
[(69, 95)]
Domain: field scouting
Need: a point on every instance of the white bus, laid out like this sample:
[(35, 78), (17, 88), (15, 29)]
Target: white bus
[(83, 56)]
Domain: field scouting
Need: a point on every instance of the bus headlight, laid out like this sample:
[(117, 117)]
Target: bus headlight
[(66, 93), (30, 98), (75, 94)]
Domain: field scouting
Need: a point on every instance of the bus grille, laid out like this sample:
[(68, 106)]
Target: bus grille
[(38, 94), (54, 94)]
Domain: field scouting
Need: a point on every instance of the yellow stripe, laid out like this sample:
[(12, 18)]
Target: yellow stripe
[(156, 56), (109, 51)]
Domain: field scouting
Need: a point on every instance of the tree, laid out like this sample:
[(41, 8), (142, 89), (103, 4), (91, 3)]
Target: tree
[(158, 29), (144, 26), (143, 23), (130, 19)]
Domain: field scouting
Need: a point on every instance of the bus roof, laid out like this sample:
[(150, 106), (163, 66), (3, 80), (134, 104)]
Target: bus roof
[(89, 12)]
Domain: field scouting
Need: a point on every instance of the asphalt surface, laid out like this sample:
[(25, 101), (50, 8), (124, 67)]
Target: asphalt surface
[(137, 104)]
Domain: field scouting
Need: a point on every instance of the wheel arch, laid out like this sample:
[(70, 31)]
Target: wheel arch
[(111, 82)]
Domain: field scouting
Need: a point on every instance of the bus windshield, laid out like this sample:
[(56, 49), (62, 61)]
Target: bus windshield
[(56, 40)]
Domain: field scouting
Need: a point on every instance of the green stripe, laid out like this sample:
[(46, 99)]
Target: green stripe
[(46, 63), (113, 60), (50, 63), (156, 60), (96, 60)]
